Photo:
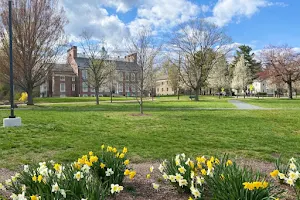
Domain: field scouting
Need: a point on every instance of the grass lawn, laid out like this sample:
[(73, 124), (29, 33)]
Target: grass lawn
[(270, 102), (64, 132)]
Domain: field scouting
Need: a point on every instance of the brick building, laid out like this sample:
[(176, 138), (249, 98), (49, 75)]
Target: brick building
[(126, 75)]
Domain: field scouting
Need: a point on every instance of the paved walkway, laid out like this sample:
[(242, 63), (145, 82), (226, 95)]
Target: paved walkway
[(244, 106)]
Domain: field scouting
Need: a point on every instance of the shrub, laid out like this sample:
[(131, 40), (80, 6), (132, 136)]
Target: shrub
[(90, 177), (288, 174)]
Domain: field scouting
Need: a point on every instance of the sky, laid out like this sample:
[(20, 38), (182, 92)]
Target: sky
[(256, 23)]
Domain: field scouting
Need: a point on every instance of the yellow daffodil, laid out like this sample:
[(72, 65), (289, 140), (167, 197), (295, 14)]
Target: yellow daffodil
[(217, 161), (34, 197), (126, 162), (274, 173), (57, 167), (209, 165), (228, 163), (109, 149), (91, 153), (201, 159), (93, 159), (126, 172), (190, 198), (102, 146), (40, 178), (34, 178), (114, 150), (102, 165), (122, 155), (148, 176), (132, 174), (203, 172), (125, 150), (151, 169)]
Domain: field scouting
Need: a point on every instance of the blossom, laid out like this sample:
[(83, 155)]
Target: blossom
[(161, 168), (182, 170), (229, 162), (281, 175), (85, 169), (190, 198), (199, 180), (293, 175), (165, 176), (58, 168), (201, 159), (182, 182), (124, 150), (2, 187), (293, 166), (102, 146), (102, 165), (132, 174), (8, 182), (114, 150), (195, 192), (91, 153), (126, 162), (109, 172), (126, 172), (178, 177), (203, 171), (155, 186), (209, 165), (93, 159), (115, 188), (192, 174), (55, 188), (172, 178), (26, 168), (109, 148), (290, 181), (40, 178), (35, 197), (274, 173), (122, 155), (63, 193), (78, 176), (151, 169), (34, 178), (148, 176)]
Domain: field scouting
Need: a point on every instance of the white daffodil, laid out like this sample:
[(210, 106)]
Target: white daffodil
[(109, 172), (155, 186), (182, 170), (161, 168), (2, 187), (26, 168), (182, 182), (293, 166), (78, 176), (178, 177), (115, 188), (55, 188), (195, 192), (172, 178), (85, 169), (289, 181), (281, 176), (63, 193), (165, 176)]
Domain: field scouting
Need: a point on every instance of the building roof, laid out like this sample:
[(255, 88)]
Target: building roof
[(62, 68), (120, 65), (162, 78)]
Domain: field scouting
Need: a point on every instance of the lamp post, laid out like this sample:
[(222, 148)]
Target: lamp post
[(12, 120), (11, 75)]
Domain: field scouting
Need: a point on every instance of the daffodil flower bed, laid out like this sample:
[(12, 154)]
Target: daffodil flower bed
[(288, 174), (213, 178), (91, 177)]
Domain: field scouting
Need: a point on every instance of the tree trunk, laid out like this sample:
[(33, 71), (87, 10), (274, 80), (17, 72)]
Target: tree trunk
[(178, 94), (97, 95), (30, 96), (110, 96), (141, 104), (290, 89), (197, 90)]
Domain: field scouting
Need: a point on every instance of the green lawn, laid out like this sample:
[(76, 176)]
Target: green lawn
[(270, 102), (64, 132)]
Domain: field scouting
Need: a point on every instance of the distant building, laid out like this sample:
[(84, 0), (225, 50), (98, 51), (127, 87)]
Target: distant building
[(61, 82), (163, 86)]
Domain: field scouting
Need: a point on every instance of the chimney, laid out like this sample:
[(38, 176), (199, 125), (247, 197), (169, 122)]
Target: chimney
[(73, 51)]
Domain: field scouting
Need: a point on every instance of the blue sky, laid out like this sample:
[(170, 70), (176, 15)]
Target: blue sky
[(253, 22)]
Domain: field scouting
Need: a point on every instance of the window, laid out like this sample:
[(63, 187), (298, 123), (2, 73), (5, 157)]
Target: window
[(133, 76), (73, 78), (162, 89), (120, 87), (127, 88), (62, 78), (132, 88), (162, 83), (73, 87), (84, 74), (85, 87), (62, 87), (121, 76), (167, 89), (127, 76)]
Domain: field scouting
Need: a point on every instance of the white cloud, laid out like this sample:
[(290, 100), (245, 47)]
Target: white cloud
[(226, 10), (120, 5)]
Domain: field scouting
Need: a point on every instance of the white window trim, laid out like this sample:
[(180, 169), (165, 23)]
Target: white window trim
[(85, 89), (62, 78), (64, 90), (73, 78), (73, 87)]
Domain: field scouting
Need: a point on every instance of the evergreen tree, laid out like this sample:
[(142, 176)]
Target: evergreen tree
[(254, 66)]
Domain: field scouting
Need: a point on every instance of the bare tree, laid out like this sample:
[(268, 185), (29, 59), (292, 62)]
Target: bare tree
[(219, 75), (38, 29), (146, 51), (241, 75), (172, 70), (284, 63), (98, 67), (201, 44)]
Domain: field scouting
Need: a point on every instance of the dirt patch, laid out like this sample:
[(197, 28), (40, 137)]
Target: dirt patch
[(139, 115), (4, 175)]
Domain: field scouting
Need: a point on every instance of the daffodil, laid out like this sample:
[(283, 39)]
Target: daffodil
[(132, 174), (122, 155), (165, 176), (155, 186), (126, 172), (102, 165), (78, 176), (40, 178), (126, 162), (114, 150), (102, 146), (161, 168), (124, 150), (229, 162), (93, 159), (91, 153), (109, 172), (35, 197), (55, 188), (172, 178), (34, 178), (195, 192), (151, 169), (290, 181), (148, 176), (274, 173), (115, 188), (182, 170), (182, 182), (203, 171)]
